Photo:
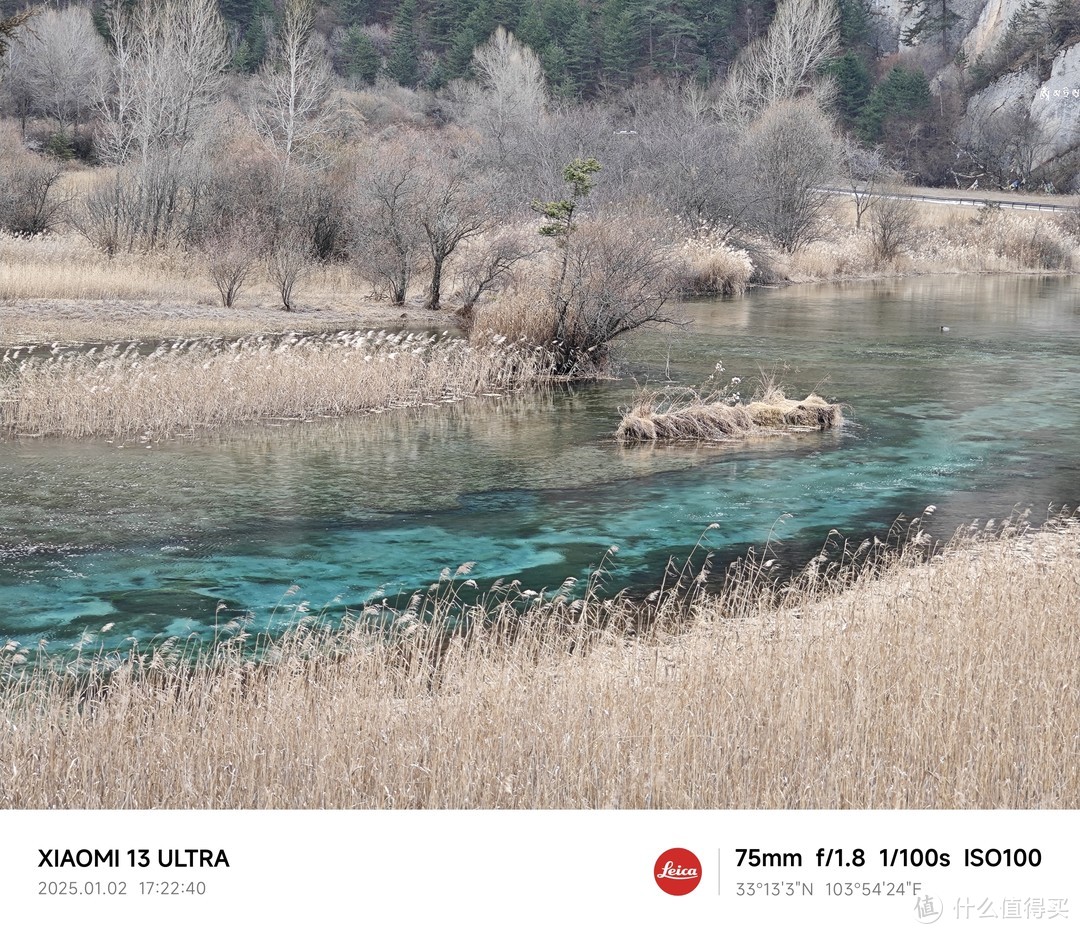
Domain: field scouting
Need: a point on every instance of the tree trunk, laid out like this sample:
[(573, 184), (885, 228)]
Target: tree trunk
[(436, 282)]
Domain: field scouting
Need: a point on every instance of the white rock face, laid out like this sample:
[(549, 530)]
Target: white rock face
[(892, 21), (1054, 106), (1057, 105), (989, 27)]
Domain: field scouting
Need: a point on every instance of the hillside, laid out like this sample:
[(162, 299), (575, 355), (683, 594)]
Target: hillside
[(957, 92)]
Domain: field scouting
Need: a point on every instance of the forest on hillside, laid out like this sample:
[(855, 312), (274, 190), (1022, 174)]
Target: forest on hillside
[(597, 50)]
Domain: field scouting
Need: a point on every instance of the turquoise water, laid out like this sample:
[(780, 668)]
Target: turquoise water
[(170, 538)]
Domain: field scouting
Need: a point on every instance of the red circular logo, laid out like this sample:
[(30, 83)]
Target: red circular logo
[(677, 871)]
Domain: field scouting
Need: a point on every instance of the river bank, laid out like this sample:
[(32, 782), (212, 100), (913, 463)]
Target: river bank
[(60, 289), (947, 683)]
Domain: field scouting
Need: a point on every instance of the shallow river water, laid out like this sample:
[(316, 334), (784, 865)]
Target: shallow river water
[(166, 539)]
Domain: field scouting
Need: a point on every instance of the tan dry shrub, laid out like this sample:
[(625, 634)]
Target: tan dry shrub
[(523, 312), (893, 227), (712, 266)]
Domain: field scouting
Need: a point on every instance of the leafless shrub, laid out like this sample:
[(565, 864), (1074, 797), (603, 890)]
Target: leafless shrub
[(108, 216), (1070, 220), (388, 243), (619, 275), (792, 155), (489, 266), (289, 257), (232, 255), (893, 227), (29, 201)]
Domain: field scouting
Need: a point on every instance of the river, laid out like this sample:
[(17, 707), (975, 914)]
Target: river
[(173, 538)]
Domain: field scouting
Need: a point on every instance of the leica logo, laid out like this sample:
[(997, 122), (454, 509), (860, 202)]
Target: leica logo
[(677, 871), (671, 871)]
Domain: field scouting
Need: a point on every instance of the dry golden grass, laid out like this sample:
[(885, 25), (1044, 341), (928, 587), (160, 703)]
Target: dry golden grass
[(943, 684), (59, 288), (688, 415), (124, 390), (712, 266), (949, 239), (67, 267)]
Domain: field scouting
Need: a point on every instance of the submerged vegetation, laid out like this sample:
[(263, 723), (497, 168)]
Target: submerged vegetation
[(924, 678)]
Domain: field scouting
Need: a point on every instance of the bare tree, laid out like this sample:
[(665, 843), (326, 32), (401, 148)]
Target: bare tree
[(16, 79), (865, 170), (892, 227), (57, 67), (1002, 139), (388, 241), (451, 207), (792, 154), (168, 67), (690, 165), (784, 63), (293, 83), (511, 93), (169, 61)]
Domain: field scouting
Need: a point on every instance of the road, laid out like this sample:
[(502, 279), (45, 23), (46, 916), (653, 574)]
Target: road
[(1010, 200)]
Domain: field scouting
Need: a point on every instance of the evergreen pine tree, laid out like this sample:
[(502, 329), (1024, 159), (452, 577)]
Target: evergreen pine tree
[(250, 53), (620, 44), (557, 71), (360, 55), (356, 12), (532, 30), (442, 21), (932, 18), (903, 95), (476, 30), (403, 64), (581, 59), (852, 84)]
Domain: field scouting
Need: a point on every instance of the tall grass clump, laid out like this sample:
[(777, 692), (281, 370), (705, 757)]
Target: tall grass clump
[(712, 266), (690, 415), (127, 390), (934, 677)]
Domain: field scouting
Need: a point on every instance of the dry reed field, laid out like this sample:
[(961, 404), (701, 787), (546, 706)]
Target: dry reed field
[(941, 683), (943, 239), (123, 391)]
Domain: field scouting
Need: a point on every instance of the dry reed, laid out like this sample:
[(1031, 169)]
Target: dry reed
[(128, 390), (712, 266), (687, 415), (949, 239), (946, 683)]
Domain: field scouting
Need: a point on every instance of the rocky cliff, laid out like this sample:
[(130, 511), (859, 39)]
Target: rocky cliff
[(1041, 104)]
